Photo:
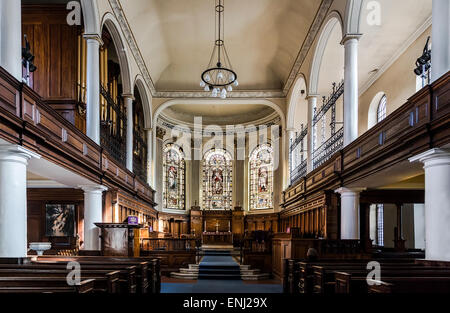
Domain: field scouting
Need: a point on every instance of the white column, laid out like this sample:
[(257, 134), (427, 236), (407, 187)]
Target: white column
[(93, 43), (349, 212), (129, 142), (440, 52), (350, 42), (13, 200), (11, 37), (93, 213), (312, 103), (437, 203), (149, 156)]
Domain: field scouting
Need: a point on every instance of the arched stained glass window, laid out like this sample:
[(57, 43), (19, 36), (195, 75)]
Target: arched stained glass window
[(217, 180), (173, 177), (381, 110), (261, 178)]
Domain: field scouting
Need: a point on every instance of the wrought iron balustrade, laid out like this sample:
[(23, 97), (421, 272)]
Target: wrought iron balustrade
[(331, 141), (326, 150), (140, 156), (297, 160), (113, 127)]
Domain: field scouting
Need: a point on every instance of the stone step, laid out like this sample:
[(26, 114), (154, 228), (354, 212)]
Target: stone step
[(260, 276), (243, 267), (195, 271)]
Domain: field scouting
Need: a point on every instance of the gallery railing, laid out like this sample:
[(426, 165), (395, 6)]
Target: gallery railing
[(297, 156), (330, 147), (333, 142), (113, 127), (140, 156)]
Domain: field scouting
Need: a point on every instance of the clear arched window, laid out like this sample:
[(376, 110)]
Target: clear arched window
[(261, 177), (173, 177), (381, 110), (217, 180)]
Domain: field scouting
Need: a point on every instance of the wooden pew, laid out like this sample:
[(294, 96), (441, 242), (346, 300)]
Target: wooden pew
[(356, 282), (314, 277), (149, 282), (412, 285), (43, 285), (104, 280), (300, 276), (127, 274)]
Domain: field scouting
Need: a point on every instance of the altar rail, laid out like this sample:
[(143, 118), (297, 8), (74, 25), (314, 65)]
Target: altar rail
[(26, 120), (168, 244)]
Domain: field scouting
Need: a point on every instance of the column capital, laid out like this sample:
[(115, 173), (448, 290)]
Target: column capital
[(95, 37), (10, 150), (349, 191), (160, 133), (350, 36), (93, 188), (433, 157), (311, 96), (128, 95)]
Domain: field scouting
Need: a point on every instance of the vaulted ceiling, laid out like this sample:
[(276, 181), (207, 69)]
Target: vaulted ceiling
[(263, 38)]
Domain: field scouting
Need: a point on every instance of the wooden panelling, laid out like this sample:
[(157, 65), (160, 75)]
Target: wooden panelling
[(38, 127), (420, 124)]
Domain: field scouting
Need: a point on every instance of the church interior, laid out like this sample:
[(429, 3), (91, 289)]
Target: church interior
[(225, 146)]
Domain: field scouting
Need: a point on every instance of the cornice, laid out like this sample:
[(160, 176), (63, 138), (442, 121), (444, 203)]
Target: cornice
[(307, 44)]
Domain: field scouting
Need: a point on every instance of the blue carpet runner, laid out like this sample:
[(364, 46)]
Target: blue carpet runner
[(219, 267)]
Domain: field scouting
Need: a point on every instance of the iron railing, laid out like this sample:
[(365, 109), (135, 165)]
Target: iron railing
[(113, 129), (330, 147), (297, 159)]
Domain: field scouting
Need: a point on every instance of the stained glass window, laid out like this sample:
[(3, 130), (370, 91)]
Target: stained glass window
[(217, 180), (261, 177), (173, 177)]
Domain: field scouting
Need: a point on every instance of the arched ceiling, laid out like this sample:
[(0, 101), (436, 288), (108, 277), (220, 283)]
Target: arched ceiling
[(263, 38), (219, 114)]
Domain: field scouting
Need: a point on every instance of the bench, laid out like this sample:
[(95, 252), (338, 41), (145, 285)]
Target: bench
[(104, 280), (127, 274), (412, 285), (356, 282), (148, 274), (43, 285)]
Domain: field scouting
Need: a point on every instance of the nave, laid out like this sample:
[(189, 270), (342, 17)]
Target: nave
[(163, 146)]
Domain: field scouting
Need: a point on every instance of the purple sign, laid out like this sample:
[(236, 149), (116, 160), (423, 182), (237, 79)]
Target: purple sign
[(133, 220)]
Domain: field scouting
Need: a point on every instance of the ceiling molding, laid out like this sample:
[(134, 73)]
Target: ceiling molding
[(307, 44), (422, 28), (45, 184), (234, 94), (128, 34)]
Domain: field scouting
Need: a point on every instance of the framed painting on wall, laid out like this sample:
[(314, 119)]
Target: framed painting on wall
[(59, 220)]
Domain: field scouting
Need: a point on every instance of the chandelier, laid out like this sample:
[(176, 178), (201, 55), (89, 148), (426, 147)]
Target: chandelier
[(219, 77)]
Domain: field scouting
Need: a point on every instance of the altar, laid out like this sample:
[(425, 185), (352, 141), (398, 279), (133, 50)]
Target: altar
[(217, 238)]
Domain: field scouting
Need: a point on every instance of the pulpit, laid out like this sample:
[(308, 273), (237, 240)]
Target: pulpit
[(119, 239)]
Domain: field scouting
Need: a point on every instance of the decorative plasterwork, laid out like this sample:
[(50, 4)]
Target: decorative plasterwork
[(165, 123), (307, 44)]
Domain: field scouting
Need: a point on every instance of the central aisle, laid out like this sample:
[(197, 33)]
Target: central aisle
[(219, 274)]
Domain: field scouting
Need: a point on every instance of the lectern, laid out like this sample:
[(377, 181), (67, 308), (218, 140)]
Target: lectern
[(119, 239)]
